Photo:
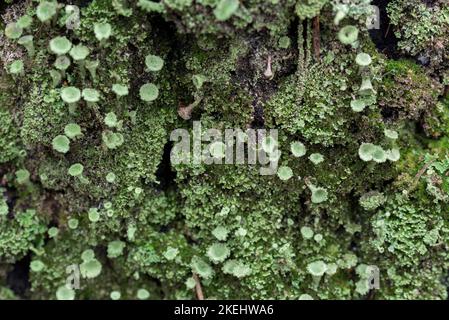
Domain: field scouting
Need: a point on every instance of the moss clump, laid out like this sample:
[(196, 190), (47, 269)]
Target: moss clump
[(407, 92), (422, 29), (9, 139), (20, 234)]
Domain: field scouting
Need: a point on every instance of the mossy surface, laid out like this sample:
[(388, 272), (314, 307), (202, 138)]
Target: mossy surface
[(152, 224)]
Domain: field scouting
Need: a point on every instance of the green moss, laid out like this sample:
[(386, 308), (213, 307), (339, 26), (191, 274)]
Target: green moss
[(20, 234), (9, 139), (407, 90), (421, 29), (309, 8), (136, 225), (216, 16)]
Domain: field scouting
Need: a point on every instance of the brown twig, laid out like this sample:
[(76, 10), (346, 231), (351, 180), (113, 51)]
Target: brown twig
[(316, 38), (198, 289), (185, 112)]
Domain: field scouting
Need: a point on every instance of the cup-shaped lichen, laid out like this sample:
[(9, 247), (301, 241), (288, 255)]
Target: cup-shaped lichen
[(16, 68), (110, 177), (319, 195), (46, 10), (317, 268), (115, 295), (391, 134), (214, 65), (393, 154), (298, 149), (115, 248), (170, 253), (285, 173), (61, 144), (93, 215), (149, 92), (76, 170), (102, 31), (71, 96), (13, 31), (22, 176), (65, 293), (237, 268), (24, 21), (269, 144), (53, 232), (348, 34), (202, 268), (73, 223), (366, 88), (316, 158), (143, 294), (221, 233), (284, 42), (92, 66), (307, 232), (379, 155), (27, 42), (154, 63), (112, 140), (37, 266), (87, 255), (90, 268), (366, 151), (72, 130), (341, 13), (363, 59), (60, 45), (120, 90), (218, 252), (62, 63), (225, 9), (91, 96), (111, 120), (56, 77), (79, 54), (358, 105)]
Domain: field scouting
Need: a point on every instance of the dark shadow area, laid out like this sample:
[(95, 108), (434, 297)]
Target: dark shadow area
[(164, 174), (18, 278), (389, 114), (384, 38)]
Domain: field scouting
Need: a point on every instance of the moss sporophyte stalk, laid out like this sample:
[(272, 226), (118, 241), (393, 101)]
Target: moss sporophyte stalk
[(224, 149)]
